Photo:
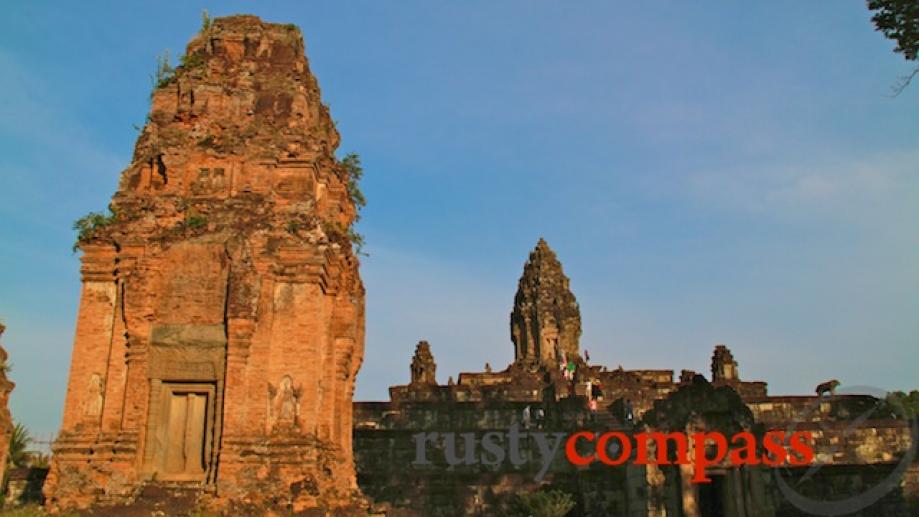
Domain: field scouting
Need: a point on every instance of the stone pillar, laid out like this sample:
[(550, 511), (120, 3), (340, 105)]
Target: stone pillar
[(656, 482), (116, 376), (756, 495), (91, 347), (81, 439), (638, 495), (735, 477), (156, 404), (356, 354), (688, 492), (234, 414), (137, 392)]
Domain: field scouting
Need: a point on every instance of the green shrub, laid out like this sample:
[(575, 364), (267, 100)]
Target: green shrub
[(552, 503), (338, 233), (357, 240), (165, 74), (352, 165), (87, 225), (192, 61), (206, 21), (193, 220), (898, 404)]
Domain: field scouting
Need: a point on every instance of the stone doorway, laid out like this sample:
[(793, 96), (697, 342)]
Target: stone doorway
[(711, 497), (183, 432)]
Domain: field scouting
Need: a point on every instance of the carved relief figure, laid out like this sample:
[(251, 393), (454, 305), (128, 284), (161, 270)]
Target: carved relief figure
[(284, 404), (94, 397)]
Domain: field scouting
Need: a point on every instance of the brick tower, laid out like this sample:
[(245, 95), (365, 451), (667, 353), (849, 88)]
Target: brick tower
[(221, 319)]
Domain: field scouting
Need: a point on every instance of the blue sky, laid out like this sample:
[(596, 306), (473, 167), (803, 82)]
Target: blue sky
[(709, 173)]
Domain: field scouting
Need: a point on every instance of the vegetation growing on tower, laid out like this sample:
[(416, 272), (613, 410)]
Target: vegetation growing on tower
[(351, 163), (89, 224)]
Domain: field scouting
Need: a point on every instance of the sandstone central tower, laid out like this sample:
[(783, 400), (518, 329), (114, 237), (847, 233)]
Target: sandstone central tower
[(221, 320), (546, 320)]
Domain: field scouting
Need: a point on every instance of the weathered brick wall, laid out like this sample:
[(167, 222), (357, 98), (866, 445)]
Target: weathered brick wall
[(386, 473), (853, 460), (856, 490), (811, 408)]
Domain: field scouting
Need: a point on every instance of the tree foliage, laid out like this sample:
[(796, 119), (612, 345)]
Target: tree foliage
[(898, 404), (898, 20), (19, 443), (552, 503)]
